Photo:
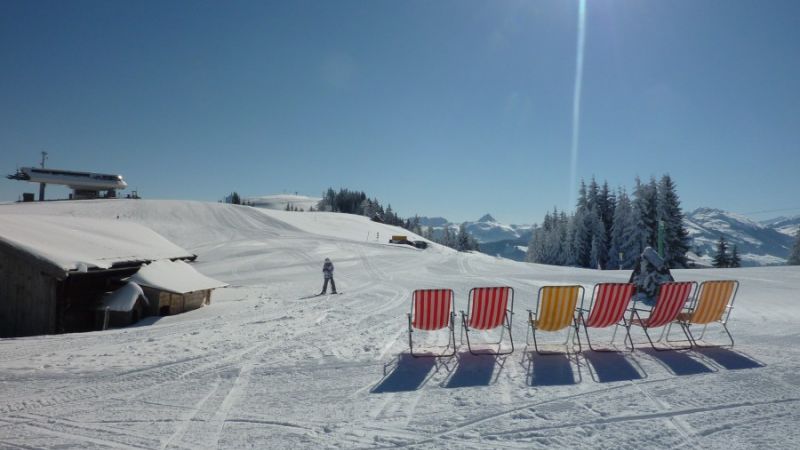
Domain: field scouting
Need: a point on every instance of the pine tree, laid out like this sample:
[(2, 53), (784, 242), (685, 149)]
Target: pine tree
[(794, 257), (735, 260), (721, 258), (599, 248), (462, 240), (624, 237), (676, 237), (582, 240)]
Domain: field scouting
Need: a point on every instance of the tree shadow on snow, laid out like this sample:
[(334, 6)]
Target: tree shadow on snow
[(730, 359), (407, 374), (475, 370), (679, 362), (549, 370), (607, 367)]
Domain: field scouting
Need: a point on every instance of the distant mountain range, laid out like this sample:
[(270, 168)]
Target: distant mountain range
[(758, 243)]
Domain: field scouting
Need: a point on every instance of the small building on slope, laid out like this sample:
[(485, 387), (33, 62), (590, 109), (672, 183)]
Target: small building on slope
[(55, 270)]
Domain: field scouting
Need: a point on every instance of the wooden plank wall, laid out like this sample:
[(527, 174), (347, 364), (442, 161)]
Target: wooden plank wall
[(27, 296)]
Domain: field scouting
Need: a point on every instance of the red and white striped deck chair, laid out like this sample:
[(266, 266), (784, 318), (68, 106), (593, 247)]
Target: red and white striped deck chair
[(607, 307), (431, 310), (489, 308), (672, 298), (712, 304)]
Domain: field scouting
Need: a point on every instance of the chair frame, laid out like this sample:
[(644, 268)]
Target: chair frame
[(686, 324), (506, 325), (635, 312), (532, 315), (622, 321), (450, 326)]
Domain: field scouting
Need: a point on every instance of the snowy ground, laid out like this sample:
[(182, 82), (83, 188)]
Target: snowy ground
[(263, 367)]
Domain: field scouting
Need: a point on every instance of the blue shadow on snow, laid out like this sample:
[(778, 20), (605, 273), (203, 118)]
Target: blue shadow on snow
[(549, 370), (409, 374), (729, 359), (679, 362), (472, 370), (607, 367)]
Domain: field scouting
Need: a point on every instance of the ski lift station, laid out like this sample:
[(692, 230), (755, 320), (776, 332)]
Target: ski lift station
[(84, 185)]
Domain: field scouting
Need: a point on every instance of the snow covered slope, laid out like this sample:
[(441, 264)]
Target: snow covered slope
[(268, 366), (758, 245)]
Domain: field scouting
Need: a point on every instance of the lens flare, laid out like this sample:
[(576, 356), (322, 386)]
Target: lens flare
[(576, 100)]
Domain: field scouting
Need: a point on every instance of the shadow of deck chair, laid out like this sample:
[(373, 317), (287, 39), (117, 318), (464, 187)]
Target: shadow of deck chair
[(431, 310), (489, 308), (712, 304), (672, 298), (555, 310), (608, 305)]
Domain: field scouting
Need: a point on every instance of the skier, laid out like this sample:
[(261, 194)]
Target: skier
[(648, 275), (327, 272)]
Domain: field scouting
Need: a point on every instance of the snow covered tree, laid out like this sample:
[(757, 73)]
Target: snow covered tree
[(794, 257), (645, 204), (721, 258), (599, 249), (676, 237), (624, 237), (582, 238), (736, 261), (462, 239)]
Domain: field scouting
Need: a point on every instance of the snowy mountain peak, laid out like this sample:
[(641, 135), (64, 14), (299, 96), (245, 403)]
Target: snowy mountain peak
[(487, 218)]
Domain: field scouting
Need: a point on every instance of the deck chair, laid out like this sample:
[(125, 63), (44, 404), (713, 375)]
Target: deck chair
[(555, 310), (672, 298), (712, 304), (489, 308), (607, 307), (431, 310)]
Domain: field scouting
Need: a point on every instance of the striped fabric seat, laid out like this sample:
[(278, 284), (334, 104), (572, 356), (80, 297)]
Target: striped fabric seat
[(610, 303), (672, 298), (432, 309), (556, 307), (711, 302), (489, 306)]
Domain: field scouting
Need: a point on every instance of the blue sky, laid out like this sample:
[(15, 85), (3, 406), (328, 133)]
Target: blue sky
[(439, 108)]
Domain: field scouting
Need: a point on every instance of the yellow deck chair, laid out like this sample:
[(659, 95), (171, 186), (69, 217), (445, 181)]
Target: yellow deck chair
[(712, 304), (555, 310)]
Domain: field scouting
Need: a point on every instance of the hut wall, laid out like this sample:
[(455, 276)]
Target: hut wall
[(163, 303), (27, 296)]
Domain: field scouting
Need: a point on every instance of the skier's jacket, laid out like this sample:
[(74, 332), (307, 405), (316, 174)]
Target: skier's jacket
[(327, 269)]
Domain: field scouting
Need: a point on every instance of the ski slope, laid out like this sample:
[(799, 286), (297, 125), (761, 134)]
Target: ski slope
[(264, 367)]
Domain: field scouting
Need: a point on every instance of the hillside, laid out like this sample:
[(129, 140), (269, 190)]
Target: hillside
[(268, 366), (756, 243)]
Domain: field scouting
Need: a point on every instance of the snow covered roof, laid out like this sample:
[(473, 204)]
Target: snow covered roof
[(73, 243), (174, 276), (124, 298)]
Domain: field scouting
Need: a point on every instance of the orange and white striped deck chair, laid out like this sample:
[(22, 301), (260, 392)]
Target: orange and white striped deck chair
[(555, 310), (489, 308), (431, 310), (712, 304), (607, 307), (672, 298)]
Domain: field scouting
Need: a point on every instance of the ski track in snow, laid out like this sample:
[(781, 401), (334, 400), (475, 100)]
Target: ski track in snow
[(264, 367)]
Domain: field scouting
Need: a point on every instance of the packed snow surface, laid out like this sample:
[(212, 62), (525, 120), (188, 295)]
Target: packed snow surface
[(269, 365)]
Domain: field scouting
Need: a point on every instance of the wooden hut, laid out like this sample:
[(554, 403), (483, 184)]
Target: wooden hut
[(55, 269)]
